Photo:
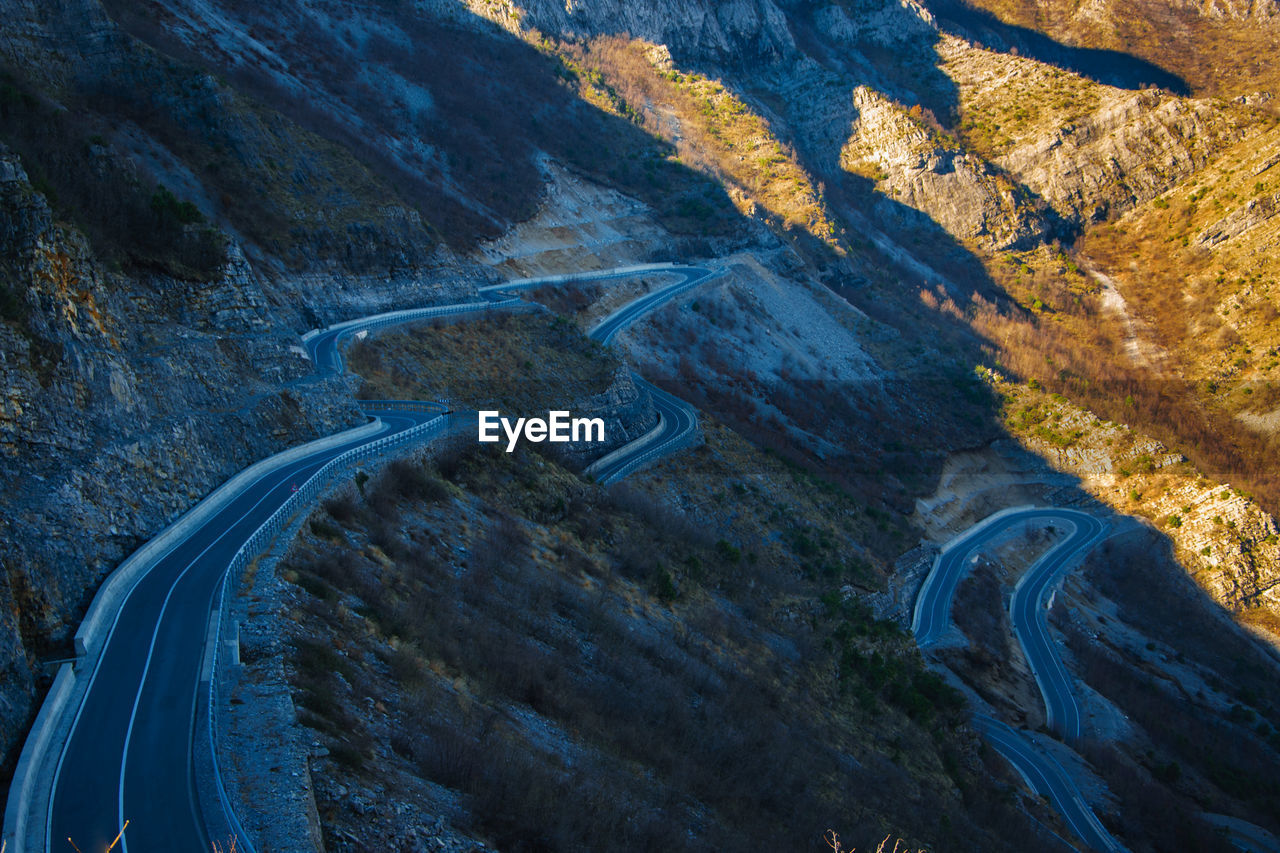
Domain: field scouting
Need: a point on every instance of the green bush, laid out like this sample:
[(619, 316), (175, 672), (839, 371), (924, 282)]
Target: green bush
[(664, 586), (728, 552), (324, 529)]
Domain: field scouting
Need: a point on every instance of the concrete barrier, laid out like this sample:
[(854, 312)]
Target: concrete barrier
[(633, 446), (106, 603), (32, 764)]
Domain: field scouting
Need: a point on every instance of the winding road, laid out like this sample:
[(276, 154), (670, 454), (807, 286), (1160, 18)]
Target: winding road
[(677, 427), (609, 327), (1048, 778), (677, 420), (932, 617), (932, 621), (124, 734)]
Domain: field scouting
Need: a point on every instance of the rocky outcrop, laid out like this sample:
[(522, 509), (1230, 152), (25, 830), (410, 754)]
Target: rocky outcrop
[(913, 166), (1262, 12), (731, 33), (128, 395), (627, 411), (1134, 148), (579, 226), (887, 24), (54, 40), (1237, 222), (126, 400)]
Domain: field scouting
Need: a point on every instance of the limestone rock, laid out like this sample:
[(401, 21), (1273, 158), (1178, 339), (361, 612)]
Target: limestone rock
[(1131, 150), (912, 165)]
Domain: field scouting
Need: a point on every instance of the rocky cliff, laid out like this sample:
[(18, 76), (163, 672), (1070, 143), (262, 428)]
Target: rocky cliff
[(1135, 147), (734, 33), (627, 412), (913, 165)]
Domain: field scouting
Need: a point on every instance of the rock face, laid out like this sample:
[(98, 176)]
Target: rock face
[(1260, 11), (958, 191), (1227, 542), (627, 412), (60, 34), (1128, 152), (731, 33), (886, 24), (1237, 222), (579, 225), (126, 399)]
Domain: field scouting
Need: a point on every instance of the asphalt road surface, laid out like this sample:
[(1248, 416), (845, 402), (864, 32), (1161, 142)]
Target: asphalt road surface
[(609, 327), (677, 423), (678, 420), (933, 606), (1044, 775)]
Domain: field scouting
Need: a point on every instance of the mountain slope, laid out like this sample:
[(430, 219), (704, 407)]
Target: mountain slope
[(902, 193)]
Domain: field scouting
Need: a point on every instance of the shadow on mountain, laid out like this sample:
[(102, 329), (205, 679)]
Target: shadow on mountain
[(1110, 67), (890, 66), (453, 118), (490, 106)]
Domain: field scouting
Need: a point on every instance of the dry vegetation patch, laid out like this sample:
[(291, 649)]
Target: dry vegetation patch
[(1196, 266), (782, 508), (714, 129), (1007, 101), (1198, 261), (1062, 339), (520, 363), (1218, 49), (560, 667)]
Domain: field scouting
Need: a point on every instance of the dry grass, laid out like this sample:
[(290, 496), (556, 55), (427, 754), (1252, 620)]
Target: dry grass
[(1208, 302), (1211, 299), (109, 847), (899, 845), (1066, 343), (715, 131), (1214, 54), (1009, 100), (520, 363)]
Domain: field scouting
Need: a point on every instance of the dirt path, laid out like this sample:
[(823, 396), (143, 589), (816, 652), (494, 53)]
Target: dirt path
[(1138, 346)]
